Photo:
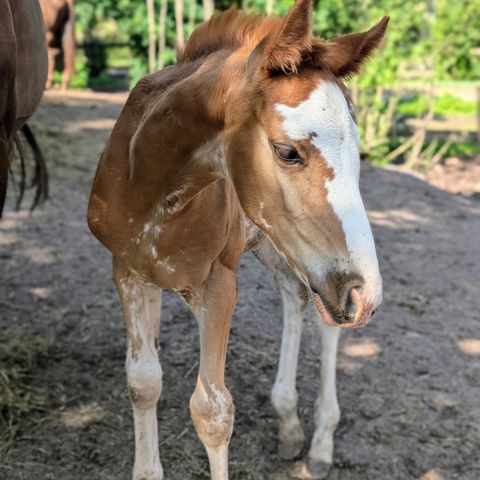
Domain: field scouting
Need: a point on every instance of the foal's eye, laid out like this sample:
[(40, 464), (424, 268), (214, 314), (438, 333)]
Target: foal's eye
[(287, 153)]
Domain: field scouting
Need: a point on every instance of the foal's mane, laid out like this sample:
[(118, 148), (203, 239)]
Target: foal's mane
[(230, 30)]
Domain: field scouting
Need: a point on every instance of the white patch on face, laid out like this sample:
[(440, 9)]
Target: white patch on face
[(325, 118)]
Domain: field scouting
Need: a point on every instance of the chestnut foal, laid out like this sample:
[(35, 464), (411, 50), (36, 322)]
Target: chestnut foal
[(248, 142)]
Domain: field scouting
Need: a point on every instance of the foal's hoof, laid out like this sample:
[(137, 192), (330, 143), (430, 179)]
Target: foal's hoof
[(289, 448), (149, 475), (311, 470), (318, 469), (290, 441)]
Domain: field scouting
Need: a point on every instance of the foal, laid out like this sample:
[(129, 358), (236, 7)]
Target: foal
[(247, 143)]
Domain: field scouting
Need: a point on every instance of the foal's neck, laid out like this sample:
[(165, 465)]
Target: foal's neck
[(183, 127)]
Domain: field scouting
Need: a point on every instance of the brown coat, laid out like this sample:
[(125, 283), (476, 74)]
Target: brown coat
[(59, 18), (23, 72)]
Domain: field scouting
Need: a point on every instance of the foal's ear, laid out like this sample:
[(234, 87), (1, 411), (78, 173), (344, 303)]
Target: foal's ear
[(283, 48), (345, 55)]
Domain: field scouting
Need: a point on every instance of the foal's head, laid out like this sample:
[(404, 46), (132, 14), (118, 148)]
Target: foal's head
[(293, 155)]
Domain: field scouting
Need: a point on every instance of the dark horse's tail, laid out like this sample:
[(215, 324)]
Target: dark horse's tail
[(40, 176), (4, 164)]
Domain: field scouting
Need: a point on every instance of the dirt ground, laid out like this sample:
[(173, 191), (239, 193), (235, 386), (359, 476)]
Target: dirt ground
[(408, 383), (457, 175)]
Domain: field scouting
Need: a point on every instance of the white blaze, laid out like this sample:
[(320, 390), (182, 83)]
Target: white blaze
[(325, 118)]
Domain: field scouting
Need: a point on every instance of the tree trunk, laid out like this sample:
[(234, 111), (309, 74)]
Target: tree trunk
[(269, 7), (179, 23), (162, 28), (208, 7), (151, 35), (191, 16)]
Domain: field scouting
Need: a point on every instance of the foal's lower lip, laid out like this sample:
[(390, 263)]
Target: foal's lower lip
[(322, 309)]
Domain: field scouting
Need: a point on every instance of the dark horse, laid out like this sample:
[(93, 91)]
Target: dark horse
[(59, 18), (23, 72)]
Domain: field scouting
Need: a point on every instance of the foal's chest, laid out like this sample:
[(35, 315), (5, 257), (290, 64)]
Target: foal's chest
[(176, 242)]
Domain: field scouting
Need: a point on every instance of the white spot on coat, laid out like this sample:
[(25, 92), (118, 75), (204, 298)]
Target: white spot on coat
[(261, 219), (165, 263), (221, 405)]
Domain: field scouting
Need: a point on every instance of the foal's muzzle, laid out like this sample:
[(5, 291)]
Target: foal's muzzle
[(343, 302)]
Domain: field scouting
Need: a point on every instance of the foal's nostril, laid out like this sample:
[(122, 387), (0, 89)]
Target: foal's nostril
[(350, 305), (360, 304), (341, 299)]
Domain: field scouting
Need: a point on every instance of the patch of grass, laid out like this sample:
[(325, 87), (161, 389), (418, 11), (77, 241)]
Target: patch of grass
[(416, 105), (463, 149), (451, 105), (20, 355), (446, 104)]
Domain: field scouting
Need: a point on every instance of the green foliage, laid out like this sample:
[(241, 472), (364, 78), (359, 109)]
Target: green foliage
[(121, 22), (445, 33), (81, 75), (456, 38), (463, 149), (431, 40), (138, 68), (446, 104)]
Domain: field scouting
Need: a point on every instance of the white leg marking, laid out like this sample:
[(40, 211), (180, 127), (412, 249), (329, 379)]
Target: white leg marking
[(218, 459), (212, 414), (327, 412), (284, 393), (211, 404), (144, 373)]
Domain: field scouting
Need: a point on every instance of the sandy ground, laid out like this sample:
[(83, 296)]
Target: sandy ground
[(457, 176), (408, 383)]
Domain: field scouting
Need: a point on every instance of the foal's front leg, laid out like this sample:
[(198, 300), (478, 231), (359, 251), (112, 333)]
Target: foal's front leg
[(327, 412), (141, 307), (211, 404), (284, 392)]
